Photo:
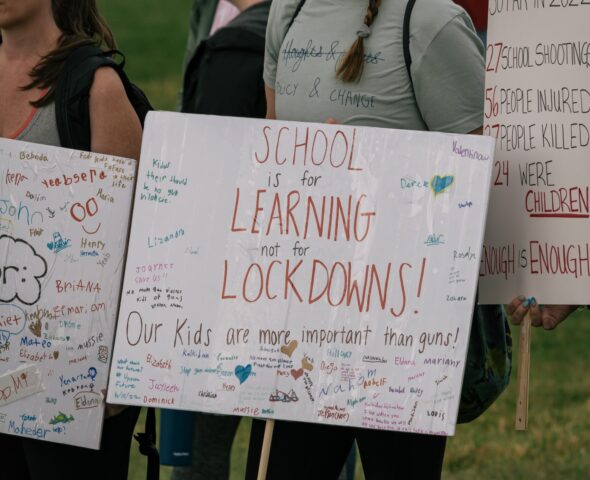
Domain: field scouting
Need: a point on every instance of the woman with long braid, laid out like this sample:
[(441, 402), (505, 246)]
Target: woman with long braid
[(344, 60)]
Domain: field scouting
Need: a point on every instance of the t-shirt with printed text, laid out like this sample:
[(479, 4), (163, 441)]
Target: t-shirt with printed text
[(447, 65)]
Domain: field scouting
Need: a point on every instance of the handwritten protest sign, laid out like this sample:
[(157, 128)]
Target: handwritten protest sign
[(64, 217), (537, 105), (300, 271)]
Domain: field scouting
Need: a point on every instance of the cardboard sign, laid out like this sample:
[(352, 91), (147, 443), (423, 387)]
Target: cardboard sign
[(64, 218), (299, 271), (537, 106)]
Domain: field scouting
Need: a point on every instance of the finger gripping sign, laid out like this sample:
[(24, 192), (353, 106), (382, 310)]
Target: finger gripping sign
[(63, 230), (318, 273)]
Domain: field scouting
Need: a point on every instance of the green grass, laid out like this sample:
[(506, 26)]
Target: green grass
[(557, 446), (152, 35)]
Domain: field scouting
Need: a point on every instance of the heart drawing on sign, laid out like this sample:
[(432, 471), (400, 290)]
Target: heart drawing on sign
[(290, 348), (306, 364), (243, 372), (297, 373), (440, 184)]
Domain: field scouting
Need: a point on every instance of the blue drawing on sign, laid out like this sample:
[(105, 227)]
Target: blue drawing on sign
[(408, 182), (434, 239), (243, 372), (279, 396), (59, 243), (440, 184)]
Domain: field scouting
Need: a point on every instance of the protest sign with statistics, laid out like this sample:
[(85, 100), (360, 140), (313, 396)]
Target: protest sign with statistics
[(537, 103)]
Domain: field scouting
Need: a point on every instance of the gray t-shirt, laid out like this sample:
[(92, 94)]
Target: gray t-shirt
[(447, 65), (42, 127)]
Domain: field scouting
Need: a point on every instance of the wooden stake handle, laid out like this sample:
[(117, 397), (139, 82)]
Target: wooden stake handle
[(266, 444), (524, 364)]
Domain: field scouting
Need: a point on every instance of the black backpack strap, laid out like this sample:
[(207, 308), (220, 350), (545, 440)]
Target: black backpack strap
[(189, 88), (136, 96), (147, 445), (297, 10), (407, 56), (406, 38), (72, 94)]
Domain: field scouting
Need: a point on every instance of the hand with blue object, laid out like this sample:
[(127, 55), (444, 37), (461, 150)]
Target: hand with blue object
[(546, 316)]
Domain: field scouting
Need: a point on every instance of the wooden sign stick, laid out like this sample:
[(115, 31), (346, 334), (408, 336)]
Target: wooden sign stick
[(266, 444), (524, 364)]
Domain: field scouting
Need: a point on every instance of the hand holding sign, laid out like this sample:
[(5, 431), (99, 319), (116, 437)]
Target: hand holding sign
[(526, 312), (547, 316)]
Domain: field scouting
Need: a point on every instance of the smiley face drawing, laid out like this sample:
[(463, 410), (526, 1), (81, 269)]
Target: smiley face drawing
[(80, 213)]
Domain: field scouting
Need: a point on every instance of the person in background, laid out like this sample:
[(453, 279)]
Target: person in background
[(201, 19), (206, 17), (224, 75), (478, 11), (36, 38)]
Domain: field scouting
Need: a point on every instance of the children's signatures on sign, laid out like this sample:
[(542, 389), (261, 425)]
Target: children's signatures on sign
[(63, 225), (328, 275)]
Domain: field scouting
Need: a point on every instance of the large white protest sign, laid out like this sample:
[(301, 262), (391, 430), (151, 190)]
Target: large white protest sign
[(300, 271), (537, 106), (64, 218)]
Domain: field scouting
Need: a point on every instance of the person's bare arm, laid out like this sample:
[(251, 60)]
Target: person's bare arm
[(114, 125), (115, 130)]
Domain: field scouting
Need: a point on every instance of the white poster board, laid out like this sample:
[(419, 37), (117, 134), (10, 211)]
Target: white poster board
[(537, 106), (64, 218), (300, 271)]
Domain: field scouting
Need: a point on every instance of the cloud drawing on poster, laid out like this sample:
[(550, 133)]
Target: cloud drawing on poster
[(21, 269)]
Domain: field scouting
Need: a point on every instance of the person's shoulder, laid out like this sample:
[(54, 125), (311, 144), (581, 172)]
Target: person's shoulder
[(106, 77), (430, 17), (114, 124), (107, 85), (281, 14), (285, 4), (282, 11)]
